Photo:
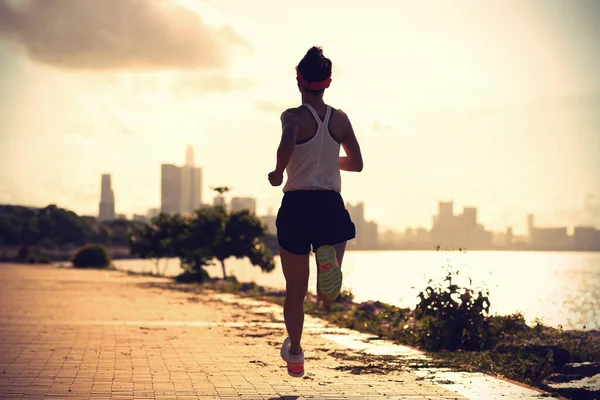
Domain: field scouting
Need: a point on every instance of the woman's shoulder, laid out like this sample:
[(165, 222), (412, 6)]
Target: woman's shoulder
[(338, 115), (292, 113)]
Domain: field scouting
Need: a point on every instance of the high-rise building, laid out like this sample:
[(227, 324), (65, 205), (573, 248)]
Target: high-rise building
[(181, 187), (189, 156), (470, 216), (106, 210), (530, 228), (196, 191), (357, 215), (191, 186), (170, 188), (243, 203), (446, 209), (186, 189)]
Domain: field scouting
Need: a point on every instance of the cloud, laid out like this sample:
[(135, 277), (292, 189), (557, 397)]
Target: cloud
[(268, 107), (116, 34), (193, 83)]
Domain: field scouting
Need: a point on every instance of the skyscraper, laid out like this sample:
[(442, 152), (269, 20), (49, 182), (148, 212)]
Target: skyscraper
[(196, 190), (189, 156), (530, 228), (106, 210), (181, 187), (170, 189)]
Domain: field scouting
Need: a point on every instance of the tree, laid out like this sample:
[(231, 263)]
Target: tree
[(210, 233), (221, 189), (158, 239), (204, 231), (241, 237)]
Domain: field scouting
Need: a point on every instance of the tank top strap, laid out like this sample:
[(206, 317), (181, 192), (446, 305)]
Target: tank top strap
[(327, 116), (314, 113)]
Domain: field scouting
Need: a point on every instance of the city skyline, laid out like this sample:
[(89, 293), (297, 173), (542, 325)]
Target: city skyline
[(446, 226), (460, 107)]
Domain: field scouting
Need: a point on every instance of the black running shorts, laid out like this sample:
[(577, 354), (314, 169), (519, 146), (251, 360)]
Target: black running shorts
[(312, 218)]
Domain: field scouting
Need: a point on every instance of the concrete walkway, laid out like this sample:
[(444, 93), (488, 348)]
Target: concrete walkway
[(68, 333)]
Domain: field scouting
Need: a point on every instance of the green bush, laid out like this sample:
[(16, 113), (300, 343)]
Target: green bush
[(91, 256), (450, 317), (193, 277)]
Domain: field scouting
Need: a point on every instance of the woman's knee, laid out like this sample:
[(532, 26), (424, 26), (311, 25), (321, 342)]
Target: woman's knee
[(296, 290)]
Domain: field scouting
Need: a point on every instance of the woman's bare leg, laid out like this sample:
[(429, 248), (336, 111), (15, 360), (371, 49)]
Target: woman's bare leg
[(296, 271)]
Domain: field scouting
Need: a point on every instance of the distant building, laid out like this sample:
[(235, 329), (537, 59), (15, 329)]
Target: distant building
[(189, 156), (509, 236), (390, 237), (243, 203), (499, 239), (106, 210), (357, 214), (585, 238), (367, 234), (458, 231), (219, 200), (153, 212), (422, 235), (170, 189), (370, 236), (140, 218), (197, 181), (269, 220), (181, 187), (530, 228), (550, 238)]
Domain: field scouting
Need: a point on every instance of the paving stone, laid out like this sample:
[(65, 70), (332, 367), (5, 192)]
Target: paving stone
[(67, 333)]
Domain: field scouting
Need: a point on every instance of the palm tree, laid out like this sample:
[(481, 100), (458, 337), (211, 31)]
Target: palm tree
[(221, 189)]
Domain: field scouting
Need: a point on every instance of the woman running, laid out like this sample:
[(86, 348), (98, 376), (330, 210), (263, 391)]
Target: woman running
[(312, 215)]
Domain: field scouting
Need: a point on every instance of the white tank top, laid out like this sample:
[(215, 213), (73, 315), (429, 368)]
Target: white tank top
[(315, 161)]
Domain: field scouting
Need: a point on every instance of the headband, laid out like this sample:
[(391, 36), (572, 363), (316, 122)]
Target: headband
[(324, 84)]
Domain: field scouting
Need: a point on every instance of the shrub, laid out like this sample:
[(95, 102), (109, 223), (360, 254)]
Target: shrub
[(197, 276), (346, 296), (451, 317), (91, 256)]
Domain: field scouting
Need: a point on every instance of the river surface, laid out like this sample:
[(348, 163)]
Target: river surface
[(560, 288)]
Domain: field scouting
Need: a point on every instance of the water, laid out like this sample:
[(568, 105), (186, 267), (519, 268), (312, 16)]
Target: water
[(560, 288)]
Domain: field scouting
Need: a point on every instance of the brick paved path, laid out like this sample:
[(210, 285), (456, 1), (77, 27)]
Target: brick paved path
[(106, 335)]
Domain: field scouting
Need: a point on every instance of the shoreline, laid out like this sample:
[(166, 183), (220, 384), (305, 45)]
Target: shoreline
[(477, 361), (506, 360)]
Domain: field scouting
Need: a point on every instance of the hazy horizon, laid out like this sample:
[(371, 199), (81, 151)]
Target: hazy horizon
[(493, 104)]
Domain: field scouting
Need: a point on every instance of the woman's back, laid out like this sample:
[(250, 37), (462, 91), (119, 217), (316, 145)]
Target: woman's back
[(314, 163)]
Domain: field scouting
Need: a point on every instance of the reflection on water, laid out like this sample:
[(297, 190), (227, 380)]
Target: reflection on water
[(559, 288)]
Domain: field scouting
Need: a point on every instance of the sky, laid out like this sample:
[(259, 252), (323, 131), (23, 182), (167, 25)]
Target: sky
[(493, 104)]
